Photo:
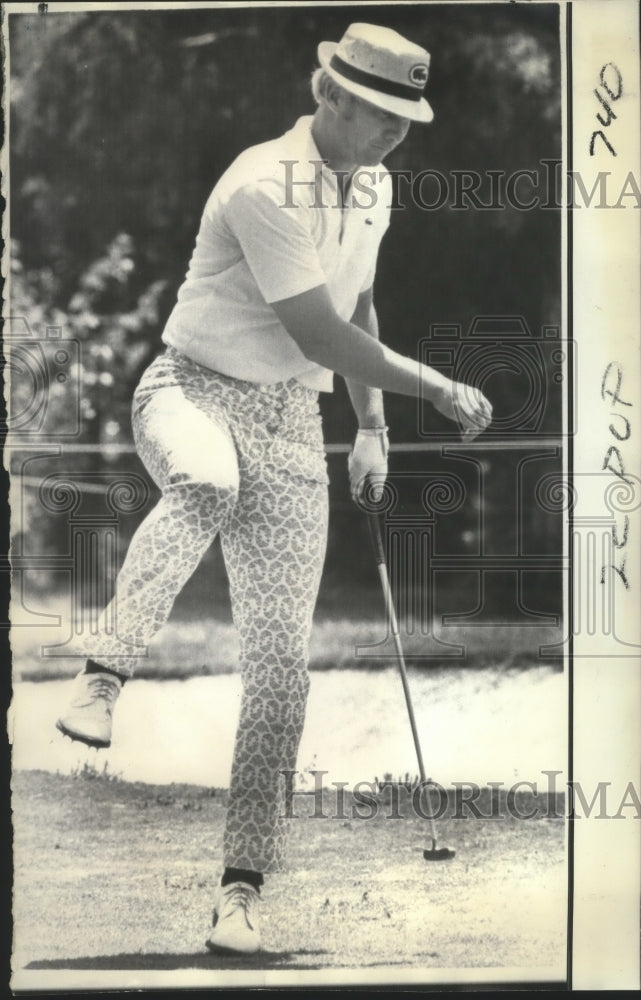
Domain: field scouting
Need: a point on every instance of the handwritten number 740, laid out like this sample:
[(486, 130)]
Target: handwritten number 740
[(611, 81)]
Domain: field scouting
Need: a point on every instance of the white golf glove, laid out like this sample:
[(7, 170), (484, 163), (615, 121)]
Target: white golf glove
[(368, 459)]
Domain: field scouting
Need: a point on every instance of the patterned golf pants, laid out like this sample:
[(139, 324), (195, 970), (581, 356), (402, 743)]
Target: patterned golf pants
[(246, 461)]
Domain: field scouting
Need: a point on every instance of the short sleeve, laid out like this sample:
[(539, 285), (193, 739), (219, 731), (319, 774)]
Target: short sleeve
[(275, 240)]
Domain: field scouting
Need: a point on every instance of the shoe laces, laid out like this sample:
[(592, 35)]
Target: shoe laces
[(101, 687), (241, 896)]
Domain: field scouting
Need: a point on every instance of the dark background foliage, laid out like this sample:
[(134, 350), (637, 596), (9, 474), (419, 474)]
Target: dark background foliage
[(121, 123)]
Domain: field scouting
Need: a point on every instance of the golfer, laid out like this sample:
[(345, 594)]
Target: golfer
[(277, 298)]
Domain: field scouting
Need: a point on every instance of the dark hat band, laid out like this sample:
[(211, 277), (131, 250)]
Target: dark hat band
[(388, 87)]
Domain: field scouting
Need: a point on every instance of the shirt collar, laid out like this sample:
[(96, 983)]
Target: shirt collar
[(301, 133)]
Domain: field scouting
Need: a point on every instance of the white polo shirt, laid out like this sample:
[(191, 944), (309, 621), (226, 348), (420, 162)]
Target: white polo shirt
[(265, 236)]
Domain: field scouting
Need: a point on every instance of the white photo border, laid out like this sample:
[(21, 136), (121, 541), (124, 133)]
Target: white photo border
[(602, 267)]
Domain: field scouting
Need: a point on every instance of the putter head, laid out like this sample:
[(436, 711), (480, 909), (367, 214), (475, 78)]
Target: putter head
[(438, 854)]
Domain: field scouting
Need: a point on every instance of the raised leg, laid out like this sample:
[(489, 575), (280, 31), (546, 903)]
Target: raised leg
[(192, 459)]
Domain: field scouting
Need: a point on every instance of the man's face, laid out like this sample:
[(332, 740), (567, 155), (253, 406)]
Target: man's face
[(371, 133)]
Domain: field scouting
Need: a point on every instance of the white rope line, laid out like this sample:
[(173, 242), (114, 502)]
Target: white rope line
[(407, 447)]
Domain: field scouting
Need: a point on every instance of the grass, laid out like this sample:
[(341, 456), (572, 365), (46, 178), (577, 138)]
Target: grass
[(114, 875), (88, 771), (208, 646)]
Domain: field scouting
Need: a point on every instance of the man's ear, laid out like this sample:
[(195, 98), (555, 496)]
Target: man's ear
[(347, 104), (332, 95), (338, 100)]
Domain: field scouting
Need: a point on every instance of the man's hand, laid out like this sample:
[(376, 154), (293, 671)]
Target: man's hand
[(466, 406), (368, 460)]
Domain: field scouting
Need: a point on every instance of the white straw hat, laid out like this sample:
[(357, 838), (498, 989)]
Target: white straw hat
[(380, 66)]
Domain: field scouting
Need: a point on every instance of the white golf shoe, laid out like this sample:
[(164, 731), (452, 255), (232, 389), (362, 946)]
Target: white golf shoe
[(236, 919), (89, 715)]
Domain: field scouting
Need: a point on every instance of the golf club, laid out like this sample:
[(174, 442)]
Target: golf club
[(432, 853)]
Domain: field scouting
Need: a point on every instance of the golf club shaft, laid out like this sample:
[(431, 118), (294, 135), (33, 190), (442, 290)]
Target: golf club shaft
[(377, 541)]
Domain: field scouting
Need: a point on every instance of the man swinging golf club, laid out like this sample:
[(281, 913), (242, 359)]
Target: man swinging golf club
[(277, 298)]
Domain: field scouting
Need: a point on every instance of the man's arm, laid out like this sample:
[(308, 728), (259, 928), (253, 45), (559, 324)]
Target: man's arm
[(367, 402), (325, 338), (368, 457)]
